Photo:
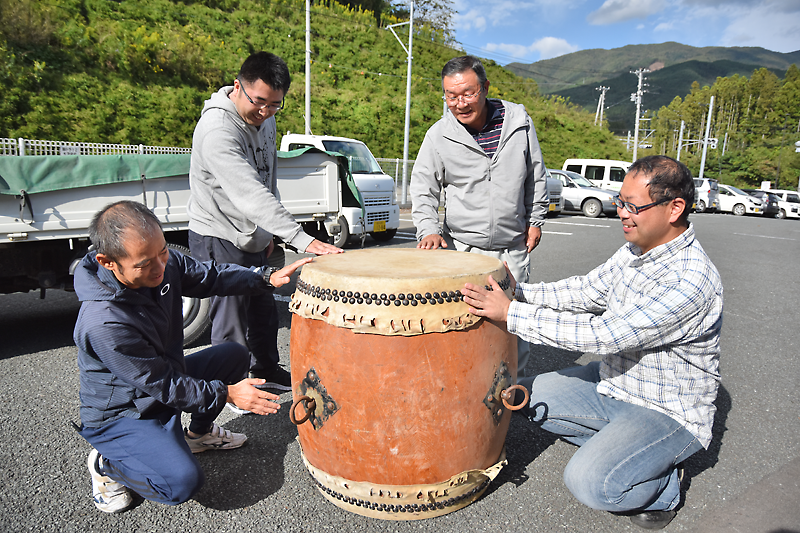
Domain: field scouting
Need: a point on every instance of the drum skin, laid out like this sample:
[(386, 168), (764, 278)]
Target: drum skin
[(410, 409)]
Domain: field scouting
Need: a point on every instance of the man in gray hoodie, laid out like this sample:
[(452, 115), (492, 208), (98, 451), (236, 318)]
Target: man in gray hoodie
[(485, 155), (234, 208)]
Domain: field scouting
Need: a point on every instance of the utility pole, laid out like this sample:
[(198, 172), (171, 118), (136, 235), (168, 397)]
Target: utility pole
[(601, 103), (705, 139), (308, 67), (404, 193), (680, 140), (637, 97), (780, 153)]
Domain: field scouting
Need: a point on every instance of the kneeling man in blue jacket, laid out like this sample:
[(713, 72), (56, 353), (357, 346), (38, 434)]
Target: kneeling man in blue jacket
[(135, 380)]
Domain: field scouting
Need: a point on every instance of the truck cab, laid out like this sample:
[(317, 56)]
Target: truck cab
[(381, 214)]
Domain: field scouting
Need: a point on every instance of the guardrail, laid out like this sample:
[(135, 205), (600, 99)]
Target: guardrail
[(23, 147)]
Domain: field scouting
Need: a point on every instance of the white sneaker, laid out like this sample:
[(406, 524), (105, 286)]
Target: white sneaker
[(238, 410), (218, 438), (109, 496)]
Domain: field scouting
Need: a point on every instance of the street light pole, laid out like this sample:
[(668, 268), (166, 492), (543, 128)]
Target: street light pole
[(308, 68), (404, 193), (705, 139)]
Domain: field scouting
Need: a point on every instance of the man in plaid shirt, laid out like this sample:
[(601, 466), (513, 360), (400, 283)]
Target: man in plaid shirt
[(653, 312)]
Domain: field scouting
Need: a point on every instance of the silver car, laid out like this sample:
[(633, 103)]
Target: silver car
[(580, 195)]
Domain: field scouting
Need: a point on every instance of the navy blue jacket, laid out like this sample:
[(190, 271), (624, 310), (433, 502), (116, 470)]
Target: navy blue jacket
[(130, 341)]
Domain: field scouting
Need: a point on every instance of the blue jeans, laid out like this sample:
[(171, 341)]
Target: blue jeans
[(627, 455), (150, 455)]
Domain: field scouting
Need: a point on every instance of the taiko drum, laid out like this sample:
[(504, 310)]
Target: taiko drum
[(402, 396)]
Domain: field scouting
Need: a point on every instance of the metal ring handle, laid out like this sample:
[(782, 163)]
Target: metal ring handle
[(507, 395), (308, 403)]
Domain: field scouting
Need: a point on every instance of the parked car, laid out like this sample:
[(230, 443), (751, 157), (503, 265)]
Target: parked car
[(603, 173), (788, 203), (554, 194), (580, 195), (770, 201), (707, 194), (738, 202)]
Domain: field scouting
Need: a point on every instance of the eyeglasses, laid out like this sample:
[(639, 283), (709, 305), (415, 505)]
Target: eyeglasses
[(636, 209), (271, 107), (466, 98)]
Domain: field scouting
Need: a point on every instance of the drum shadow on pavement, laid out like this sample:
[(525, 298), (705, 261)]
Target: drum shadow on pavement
[(241, 478)]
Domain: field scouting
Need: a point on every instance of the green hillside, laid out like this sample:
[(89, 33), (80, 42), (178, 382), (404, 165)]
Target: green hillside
[(592, 66), (138, 72), (663, 86)]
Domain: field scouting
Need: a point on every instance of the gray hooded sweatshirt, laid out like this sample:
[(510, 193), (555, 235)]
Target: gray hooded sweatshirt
[(234, 187)]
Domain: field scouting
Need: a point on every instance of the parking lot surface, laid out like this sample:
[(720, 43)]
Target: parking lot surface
[(746, 481)]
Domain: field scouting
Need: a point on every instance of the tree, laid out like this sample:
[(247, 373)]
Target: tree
[(438, 14)]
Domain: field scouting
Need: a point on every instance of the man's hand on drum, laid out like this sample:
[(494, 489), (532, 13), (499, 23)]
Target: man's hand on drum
[(246, 396), (432, 242), (281, 277), (322, 248), (491, 304)]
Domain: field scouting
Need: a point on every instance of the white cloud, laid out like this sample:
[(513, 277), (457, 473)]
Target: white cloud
[(472, 20), (548, 48), (614, 11), (664, 26), (772, 25)]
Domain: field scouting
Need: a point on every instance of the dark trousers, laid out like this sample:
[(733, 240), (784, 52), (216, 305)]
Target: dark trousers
[(251, 320), (150, 455)]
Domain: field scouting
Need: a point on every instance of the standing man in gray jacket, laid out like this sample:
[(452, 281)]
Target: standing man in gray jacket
[(485, 155), (234, 208)]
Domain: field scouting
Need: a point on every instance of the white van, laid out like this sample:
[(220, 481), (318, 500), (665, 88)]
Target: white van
[(788, 201), (604, 173)]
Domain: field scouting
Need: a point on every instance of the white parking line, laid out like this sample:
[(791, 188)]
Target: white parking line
[(556, 232), (765, 237), (577, 224)]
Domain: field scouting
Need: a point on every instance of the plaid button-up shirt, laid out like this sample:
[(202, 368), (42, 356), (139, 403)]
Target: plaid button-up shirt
[(655, 319)]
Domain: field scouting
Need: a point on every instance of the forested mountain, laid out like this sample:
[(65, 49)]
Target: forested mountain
[(592, 66), (139, 71), (663, 86), (756, 121), (756, 114)]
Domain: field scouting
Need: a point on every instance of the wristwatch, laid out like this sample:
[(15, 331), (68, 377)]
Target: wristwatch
[(267, 272)]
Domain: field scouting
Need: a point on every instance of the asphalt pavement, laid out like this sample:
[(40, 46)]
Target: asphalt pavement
[(747, 481)]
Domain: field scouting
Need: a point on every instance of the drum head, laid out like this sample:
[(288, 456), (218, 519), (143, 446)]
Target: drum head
[(394, 291)]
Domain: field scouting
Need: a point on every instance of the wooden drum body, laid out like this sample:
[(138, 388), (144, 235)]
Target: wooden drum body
[(400, 406)]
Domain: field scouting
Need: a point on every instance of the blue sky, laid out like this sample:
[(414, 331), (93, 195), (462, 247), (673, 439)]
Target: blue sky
[(530, 30)]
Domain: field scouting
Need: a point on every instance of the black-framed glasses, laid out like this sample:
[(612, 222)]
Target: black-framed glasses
[(272, 107), (636, 209)]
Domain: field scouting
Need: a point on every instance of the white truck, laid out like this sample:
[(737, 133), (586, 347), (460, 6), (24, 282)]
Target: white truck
[(47, 203), (380, 216)]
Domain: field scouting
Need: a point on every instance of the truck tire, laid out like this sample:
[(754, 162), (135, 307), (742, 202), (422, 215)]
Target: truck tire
[(341, 238), (383, 236), (196, 319)]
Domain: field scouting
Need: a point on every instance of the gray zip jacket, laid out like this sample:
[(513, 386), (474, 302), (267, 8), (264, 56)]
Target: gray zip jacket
[(489, 201), (234, 187)]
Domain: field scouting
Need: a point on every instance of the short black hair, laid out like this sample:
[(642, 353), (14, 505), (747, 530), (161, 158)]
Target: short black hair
[(268, 68), (111, 225), (461, 64), (669, 178)]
